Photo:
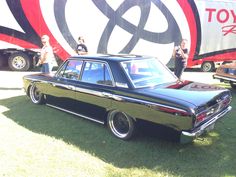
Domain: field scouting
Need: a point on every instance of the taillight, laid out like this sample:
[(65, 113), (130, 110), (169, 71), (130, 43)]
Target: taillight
[(174, 111), (201, 117)]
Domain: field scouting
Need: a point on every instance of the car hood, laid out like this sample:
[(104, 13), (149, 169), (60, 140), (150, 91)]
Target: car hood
[(187, 91)]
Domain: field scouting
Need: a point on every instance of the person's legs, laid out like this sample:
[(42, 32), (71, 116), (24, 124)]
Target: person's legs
[(50, 67), (45, 68), (177, 71), (181, 70), (179, 67)]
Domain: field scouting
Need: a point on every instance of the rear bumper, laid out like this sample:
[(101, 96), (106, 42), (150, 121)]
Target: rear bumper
[(224, 78), (188, 136)]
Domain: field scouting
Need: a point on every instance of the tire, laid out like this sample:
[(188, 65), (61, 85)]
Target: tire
[(208, 66), (19, 62), (233, 85), (35, 95), (121, 125)]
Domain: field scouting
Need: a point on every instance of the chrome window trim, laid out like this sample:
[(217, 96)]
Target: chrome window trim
[(109, 70), (151, 85), (82, 70)]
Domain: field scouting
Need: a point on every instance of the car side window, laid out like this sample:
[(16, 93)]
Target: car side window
[(71, 70), (96, 73)]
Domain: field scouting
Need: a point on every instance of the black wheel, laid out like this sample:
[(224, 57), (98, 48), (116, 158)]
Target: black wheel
[(233, 85), (19, 62), (121, 125), (208, 66), (35, 95)]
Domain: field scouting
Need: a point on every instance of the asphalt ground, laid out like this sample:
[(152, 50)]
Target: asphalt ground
[(13, 80)]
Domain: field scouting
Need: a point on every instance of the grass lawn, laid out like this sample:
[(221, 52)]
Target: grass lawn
[(41, 141)]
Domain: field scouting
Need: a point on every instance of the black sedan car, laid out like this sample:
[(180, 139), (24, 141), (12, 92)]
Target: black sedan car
[(123, 90)]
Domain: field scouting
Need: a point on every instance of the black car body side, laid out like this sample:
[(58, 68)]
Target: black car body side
[(185, 106)]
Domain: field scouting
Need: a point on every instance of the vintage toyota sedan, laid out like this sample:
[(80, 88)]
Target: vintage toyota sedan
[(122, 90)]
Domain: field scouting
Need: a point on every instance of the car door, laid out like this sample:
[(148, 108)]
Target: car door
[(61, 90), (95, 91)]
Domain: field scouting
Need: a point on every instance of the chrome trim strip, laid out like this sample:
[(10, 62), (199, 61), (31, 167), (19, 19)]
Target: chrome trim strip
[(80, 115), (44, 82), (32, 79), (223, 77), (123, 98), (89, 91), (119, 97), (70, 87), (148, 103), (200, 130)]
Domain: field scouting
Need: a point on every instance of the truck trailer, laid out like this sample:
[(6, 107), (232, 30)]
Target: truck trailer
[(150, 27)]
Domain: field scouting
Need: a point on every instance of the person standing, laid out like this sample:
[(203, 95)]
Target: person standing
[(81, 48), (46, 55), (180, 54)]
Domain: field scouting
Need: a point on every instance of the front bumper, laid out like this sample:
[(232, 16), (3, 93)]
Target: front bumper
[(188, 136)]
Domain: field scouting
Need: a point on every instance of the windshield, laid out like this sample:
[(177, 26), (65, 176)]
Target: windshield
[(147, 72)]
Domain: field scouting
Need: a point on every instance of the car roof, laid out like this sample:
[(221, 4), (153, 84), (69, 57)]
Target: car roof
[(112, 57)]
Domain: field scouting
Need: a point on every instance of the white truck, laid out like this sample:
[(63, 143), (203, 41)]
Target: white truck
[(151, 27)]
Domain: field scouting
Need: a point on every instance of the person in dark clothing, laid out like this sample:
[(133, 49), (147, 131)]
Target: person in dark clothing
[(81, 48), (180, 54)]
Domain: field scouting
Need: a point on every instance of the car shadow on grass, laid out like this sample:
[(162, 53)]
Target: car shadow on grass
[(151, 149)]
